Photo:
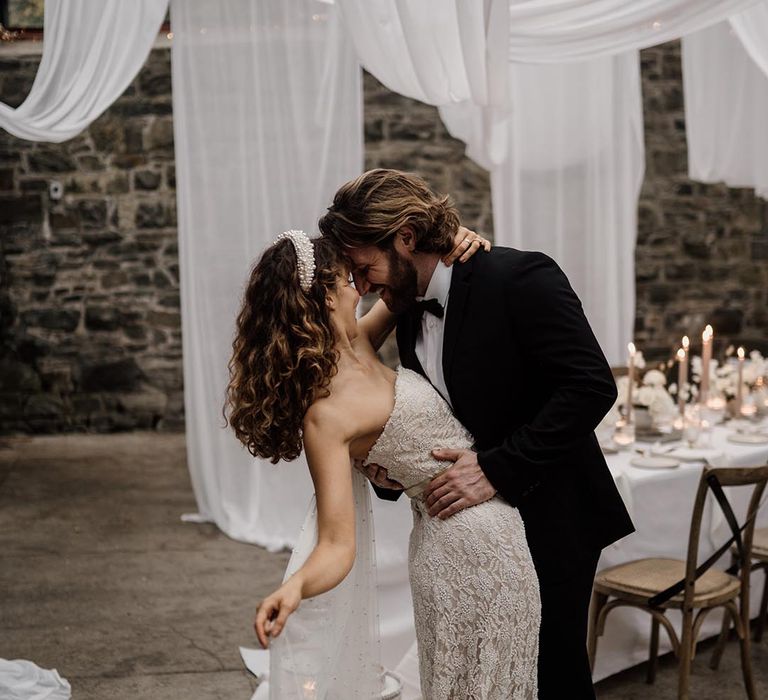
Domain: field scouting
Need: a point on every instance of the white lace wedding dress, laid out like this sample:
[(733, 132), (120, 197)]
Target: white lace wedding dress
[(475, 590)]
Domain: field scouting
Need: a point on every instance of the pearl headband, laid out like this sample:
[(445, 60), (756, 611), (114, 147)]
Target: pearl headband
[(305, 256)]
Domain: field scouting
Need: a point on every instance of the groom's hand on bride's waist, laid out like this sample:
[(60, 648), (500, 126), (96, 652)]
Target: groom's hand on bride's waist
[(377, 475), (462, 485)]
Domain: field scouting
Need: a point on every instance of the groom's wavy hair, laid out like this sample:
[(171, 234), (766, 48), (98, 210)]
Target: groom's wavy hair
[(372, 208), (283, 355)]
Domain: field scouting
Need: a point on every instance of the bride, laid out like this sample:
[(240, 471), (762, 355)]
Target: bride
[(304, 374)]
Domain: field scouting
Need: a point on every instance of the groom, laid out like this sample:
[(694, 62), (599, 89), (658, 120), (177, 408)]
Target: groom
[(504, 339)]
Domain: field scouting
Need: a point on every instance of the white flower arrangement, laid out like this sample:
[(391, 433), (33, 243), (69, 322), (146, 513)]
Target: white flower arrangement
[(653, 393), (723, 379), (654, 396), (650, 393), (754, 367)]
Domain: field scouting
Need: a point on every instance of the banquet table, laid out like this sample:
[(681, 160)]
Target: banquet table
[(660, 502)]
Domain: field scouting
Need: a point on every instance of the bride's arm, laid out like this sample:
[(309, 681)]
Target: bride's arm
[(332, 558), (379, 321)]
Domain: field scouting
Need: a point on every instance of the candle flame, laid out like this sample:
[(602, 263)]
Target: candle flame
[(686, 343), (631, 348), (707, 334), (681, 354), (740, 353)]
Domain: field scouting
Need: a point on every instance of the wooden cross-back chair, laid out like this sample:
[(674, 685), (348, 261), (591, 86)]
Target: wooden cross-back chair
[(760, 555), (657, 585), (759, 561)]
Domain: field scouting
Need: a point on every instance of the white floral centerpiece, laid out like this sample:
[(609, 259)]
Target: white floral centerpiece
[(724, 378), (651, 401), (653, 396)]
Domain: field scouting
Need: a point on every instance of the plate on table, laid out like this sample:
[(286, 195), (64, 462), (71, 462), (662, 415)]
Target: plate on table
[(688, 454), (654, 462), (748, 438)]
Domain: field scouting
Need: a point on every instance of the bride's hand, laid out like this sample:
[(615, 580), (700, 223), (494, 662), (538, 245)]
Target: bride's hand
[(465, 244), (274, 610), (377, 475)]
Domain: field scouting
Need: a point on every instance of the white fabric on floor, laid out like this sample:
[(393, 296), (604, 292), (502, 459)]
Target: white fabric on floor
[(268, 123), (25, 680), (91, 53), (726, 101)]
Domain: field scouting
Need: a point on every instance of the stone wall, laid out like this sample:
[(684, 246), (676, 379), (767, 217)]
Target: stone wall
[(89, 304), (702, 250), (90, 333)]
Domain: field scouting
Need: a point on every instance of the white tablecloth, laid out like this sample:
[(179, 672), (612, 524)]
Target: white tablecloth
[(660, 502)]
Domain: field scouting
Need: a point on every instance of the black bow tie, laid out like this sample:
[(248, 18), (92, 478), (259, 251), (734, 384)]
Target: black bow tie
[(432, 306)]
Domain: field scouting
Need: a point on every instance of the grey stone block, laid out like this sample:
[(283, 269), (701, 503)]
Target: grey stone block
[(54, 319)]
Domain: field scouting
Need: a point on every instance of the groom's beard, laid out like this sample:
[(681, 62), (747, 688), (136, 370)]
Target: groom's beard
[(400, 294)]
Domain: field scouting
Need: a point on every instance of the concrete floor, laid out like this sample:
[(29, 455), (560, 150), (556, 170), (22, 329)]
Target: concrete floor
[(101, 580)]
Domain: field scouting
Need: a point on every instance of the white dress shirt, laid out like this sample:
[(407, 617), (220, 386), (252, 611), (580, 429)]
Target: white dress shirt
[(429, 343)]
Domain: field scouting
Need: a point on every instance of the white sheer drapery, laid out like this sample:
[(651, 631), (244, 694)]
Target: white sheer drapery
[(751, 26), (571, 178), (563, 142), (268, 123), (91, 53), (552, 31), (267, 115), (725, 82), (441, 53)]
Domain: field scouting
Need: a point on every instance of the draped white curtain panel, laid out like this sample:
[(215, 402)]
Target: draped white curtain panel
[(571, 178), (563, 141), (725, 79), (552, 31), (267, 118), (570, 184), (91, 53), (268, 122)]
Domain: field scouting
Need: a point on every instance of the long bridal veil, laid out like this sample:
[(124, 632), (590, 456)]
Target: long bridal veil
[(329, 648)]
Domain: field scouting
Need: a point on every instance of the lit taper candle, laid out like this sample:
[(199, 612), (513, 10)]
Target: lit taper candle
[(706, 358), (740, 382), (682, 373), (631, 377)]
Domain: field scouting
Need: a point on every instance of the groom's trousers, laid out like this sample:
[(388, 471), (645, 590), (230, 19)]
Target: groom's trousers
[(563, 662)]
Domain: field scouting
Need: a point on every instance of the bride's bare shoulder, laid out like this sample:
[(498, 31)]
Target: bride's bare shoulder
[(328, 415), (352, 408)]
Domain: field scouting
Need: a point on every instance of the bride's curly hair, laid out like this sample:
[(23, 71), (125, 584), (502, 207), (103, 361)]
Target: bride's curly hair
[(283, 355)]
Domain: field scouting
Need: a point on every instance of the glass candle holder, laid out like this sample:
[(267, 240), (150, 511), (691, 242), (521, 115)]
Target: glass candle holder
[(691, 424), (624, 434)]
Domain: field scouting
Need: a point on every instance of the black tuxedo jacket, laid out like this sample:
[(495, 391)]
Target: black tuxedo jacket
[(527, 378)]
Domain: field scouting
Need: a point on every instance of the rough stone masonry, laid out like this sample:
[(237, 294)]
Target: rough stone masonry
[(90, 335)]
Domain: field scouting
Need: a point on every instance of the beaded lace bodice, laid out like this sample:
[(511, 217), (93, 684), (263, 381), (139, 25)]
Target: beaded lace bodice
[(421, 421), (475, 592)]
